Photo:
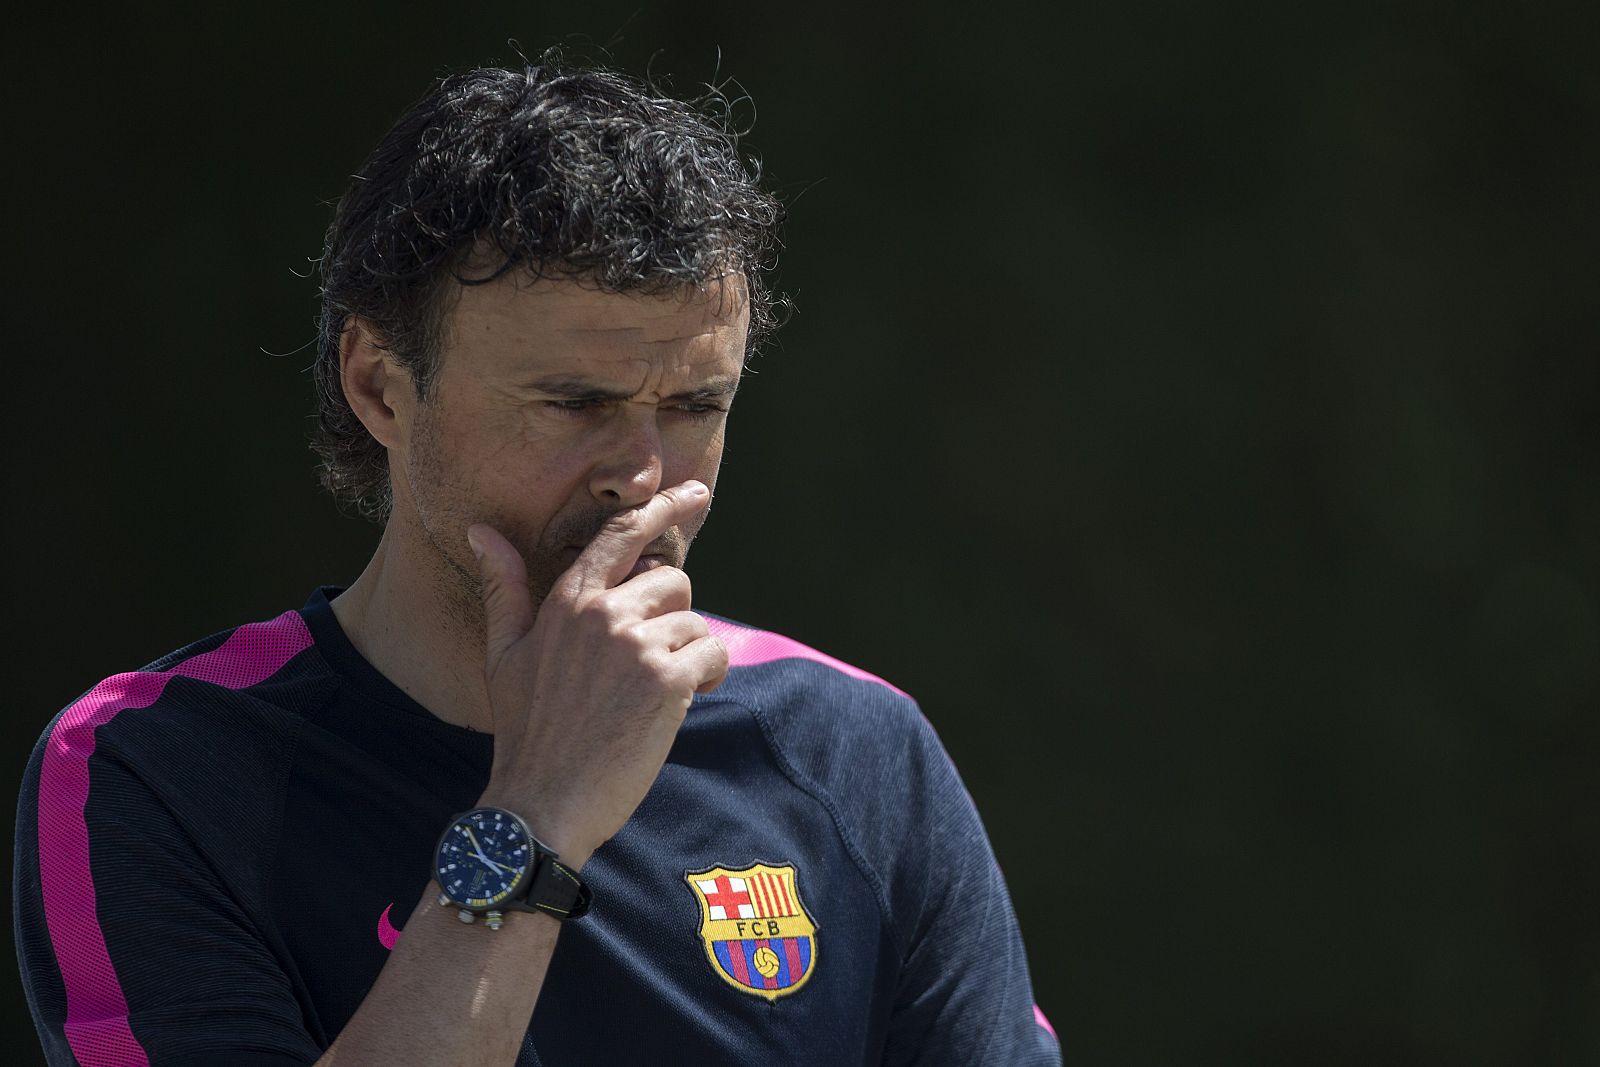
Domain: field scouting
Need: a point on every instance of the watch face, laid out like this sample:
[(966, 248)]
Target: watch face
[(483, 857)]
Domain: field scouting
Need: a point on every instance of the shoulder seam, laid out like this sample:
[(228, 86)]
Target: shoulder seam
[(755, 647), (198, 647), (821, 796)]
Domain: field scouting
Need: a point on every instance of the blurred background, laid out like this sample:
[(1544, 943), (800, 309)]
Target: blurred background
[(1195, 406)]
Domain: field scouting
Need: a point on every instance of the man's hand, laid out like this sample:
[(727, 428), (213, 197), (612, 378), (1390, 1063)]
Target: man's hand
[(587, 698)]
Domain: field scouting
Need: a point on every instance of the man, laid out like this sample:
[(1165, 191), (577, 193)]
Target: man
[(673, 838)]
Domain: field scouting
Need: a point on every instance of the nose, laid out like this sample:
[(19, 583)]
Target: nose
[(627, 472)]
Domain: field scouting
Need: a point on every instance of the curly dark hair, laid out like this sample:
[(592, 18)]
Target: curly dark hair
[(581, 173)]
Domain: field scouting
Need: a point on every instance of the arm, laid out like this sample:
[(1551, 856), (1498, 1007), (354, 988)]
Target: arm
[(135, 911), (139, 949), (964, 994), (587, 699), (450, 994)]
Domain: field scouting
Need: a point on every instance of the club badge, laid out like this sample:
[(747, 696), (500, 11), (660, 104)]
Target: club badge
[(757, 934)]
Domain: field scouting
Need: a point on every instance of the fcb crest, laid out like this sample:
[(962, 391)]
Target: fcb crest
[(757, 934)]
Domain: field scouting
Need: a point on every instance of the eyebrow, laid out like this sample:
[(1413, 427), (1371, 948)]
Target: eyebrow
[(583, 389)]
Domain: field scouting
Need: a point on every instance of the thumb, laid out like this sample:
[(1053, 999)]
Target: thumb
[(508, 610)]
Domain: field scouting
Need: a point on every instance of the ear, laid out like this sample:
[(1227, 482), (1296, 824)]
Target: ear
[(377, 389)]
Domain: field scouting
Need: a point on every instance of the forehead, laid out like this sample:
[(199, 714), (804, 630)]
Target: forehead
[(516, 324)]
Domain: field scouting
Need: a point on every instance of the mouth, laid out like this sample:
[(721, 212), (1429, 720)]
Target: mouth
[(648, 562)]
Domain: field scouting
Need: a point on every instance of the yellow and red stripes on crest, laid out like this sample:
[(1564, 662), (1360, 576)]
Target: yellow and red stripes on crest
[(771, 896)]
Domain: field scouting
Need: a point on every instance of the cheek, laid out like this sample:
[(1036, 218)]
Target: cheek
[(431, 458), (697, 451), (461, 463), (490, 449), (711, 463)]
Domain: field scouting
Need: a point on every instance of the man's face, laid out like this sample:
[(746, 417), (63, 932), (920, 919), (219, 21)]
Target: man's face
[(557, 406)]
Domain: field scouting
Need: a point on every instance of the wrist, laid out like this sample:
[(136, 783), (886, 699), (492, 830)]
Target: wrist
[(570, 847), (489, 861)]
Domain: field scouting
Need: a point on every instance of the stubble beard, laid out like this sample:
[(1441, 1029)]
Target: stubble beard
[(442, 498), (443, 502)]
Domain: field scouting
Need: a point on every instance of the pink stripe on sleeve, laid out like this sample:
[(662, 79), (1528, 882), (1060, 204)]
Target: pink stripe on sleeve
[(748, 647), (97, 1012), (1038, 1017)]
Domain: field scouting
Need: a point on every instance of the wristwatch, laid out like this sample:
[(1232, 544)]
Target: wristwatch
[(488, 862)]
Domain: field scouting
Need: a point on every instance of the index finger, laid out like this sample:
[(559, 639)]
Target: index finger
[(606, 561)]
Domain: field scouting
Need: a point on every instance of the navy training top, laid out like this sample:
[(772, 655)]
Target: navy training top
[(807, 881)]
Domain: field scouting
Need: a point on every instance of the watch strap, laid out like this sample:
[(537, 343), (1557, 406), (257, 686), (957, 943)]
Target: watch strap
[(556, 890)]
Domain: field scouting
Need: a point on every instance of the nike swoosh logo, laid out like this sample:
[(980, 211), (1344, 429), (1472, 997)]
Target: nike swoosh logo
[(388, 936)]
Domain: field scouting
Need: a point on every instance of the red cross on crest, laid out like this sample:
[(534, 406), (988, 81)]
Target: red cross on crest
[(727, 898)]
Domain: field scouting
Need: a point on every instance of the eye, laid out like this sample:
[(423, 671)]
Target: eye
[(576, 405), (696, 409)]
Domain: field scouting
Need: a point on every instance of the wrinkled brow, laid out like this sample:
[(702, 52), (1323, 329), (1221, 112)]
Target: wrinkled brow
[(578, 388)]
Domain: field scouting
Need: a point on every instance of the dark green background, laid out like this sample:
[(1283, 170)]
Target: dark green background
[(1195, 406)]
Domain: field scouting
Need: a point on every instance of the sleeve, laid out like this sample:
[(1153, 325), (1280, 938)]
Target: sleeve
[(964, 995), (137, 941)]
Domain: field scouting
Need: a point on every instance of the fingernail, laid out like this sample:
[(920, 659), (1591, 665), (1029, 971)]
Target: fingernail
[(696, 489), (472, 539)]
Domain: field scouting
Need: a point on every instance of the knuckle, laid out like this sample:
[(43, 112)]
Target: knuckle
[(633, 634), (658, 661), (676, 589), (564, 593), (595, 614), (495, 599), (625, 523)]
